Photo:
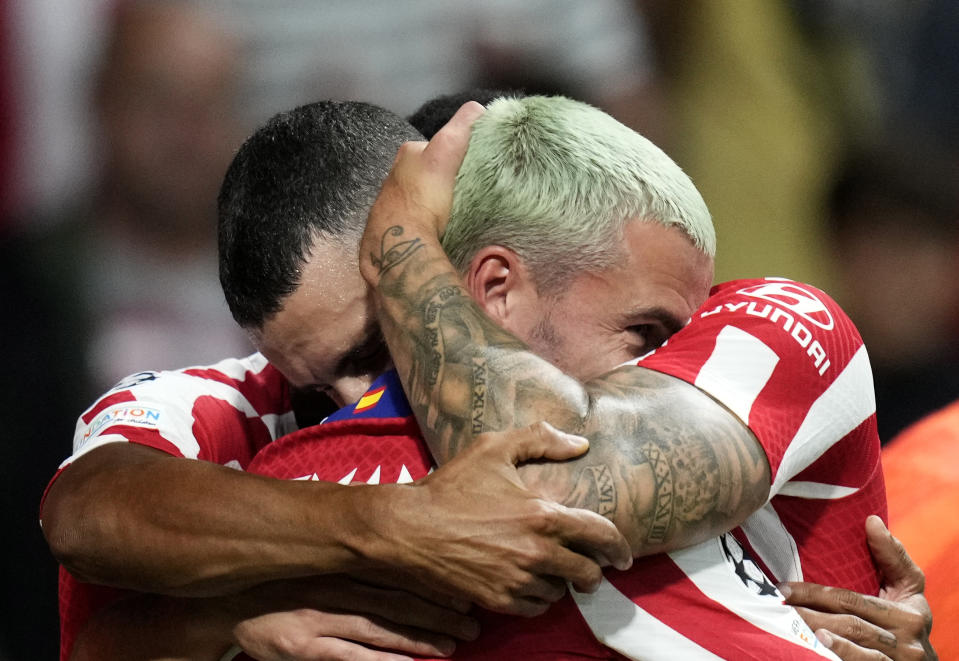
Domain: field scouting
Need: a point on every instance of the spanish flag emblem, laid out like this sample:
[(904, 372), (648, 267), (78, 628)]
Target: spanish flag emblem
[(369, 400)]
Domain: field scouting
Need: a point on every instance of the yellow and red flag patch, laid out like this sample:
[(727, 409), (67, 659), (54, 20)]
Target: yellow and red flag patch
[(369, 400)]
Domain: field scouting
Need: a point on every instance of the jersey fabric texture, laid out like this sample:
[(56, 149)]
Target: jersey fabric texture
[(224, 413), (786, 360), (706, 602), (922, 477)]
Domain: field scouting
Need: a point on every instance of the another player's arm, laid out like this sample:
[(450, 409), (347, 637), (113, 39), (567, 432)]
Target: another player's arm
[(331, 617), (134, 517)]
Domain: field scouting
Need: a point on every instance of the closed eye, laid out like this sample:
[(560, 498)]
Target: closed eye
[(650, 336), (369, 357)]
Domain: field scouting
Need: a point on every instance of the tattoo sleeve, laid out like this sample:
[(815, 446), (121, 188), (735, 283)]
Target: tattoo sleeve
[(667, 463)]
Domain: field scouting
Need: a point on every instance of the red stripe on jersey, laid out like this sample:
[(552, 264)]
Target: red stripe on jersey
[(149, 437), (116, 398), (664, 591), (239, 437), (850, 462), (831, 539), (267, 391)]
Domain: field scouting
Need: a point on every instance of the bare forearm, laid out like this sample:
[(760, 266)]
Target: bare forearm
[(320, 617), (135, 518)]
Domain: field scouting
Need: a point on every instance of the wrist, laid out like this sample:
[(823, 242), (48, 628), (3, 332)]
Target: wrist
[(387, 249), (384, 524)]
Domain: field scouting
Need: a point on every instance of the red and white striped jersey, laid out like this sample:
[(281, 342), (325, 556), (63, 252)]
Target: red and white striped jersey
[(709, 601), (224, 413), (789, 363)]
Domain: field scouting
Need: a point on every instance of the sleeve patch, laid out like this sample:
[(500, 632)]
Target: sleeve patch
[(128, 414)]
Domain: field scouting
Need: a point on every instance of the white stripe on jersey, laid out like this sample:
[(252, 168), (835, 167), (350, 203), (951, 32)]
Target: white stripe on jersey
[(846, 404), (737, 370), (766, 613), (816, 490), (92, 444), (773, 544), (178, 391), (623, 626)]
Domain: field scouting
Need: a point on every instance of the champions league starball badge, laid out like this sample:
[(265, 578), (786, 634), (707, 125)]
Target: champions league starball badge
[(746, 569)]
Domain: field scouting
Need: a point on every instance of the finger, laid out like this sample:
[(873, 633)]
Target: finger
[(445, 152), (400, 581), (541, 440), (378, 633), (892, 559), (547, 589), (582, 571), (334, 649), (840, 601), (595, 536), (848, 651), (521, 606), (406, 609), (851, 628)]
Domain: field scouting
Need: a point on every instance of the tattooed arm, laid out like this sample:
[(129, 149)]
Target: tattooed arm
[(667, 464)]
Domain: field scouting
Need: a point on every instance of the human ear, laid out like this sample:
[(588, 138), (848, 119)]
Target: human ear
[(494, 280)]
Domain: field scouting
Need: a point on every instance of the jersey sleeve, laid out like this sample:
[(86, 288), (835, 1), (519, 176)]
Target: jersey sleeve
[(222, 413), (785, 359)]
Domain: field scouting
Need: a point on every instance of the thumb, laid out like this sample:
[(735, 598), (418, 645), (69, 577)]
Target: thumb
[(891, 558), (543, 441), (445, 152)]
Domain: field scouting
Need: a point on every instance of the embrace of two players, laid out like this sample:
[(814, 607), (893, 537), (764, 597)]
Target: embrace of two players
[(536, 260)]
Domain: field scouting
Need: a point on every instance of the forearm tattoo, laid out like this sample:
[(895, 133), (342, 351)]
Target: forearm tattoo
[(663, 498), (667, 464), (394, 252), (602, 477), (478, 395)]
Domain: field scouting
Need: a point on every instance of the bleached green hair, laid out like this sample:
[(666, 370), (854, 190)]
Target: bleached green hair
[(555, 180)]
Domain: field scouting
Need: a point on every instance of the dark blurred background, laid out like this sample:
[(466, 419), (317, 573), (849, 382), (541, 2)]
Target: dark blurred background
[(823, 134)]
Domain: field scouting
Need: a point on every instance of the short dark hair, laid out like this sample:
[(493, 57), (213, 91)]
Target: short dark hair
[(432, 115), (313, 171)]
